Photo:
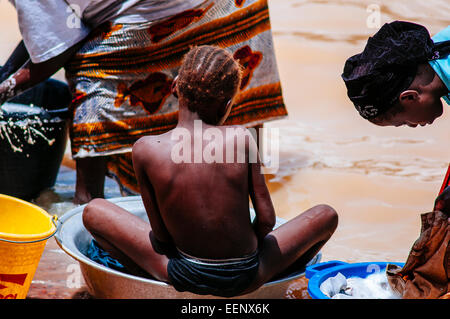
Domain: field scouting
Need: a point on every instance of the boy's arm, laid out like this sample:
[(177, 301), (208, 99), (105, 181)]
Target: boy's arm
[(260, 196), (161, 240)]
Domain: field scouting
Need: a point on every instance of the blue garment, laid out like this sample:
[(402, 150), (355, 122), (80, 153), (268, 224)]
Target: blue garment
[(442, 66), (224, 278), (100, 256)]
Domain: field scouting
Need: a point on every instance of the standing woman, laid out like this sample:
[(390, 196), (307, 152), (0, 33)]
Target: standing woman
[(120, 59)]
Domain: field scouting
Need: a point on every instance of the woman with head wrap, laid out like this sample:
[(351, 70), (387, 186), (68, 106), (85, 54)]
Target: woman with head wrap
[(401, 76), (399, 79)]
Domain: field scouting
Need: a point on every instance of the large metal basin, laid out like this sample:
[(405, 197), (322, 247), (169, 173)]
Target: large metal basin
[(103, 282)]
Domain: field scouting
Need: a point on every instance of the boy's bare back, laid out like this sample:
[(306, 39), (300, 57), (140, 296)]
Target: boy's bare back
[(204, 206)]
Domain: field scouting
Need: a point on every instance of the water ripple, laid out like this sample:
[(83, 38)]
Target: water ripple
[(306, 147), (429, 13)]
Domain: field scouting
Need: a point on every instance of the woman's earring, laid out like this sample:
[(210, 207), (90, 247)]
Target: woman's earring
[(174, 87)]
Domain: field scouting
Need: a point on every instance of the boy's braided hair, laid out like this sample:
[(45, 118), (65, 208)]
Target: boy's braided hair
[(208, 79)]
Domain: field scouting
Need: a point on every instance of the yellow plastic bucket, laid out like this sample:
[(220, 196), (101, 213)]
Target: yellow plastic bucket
[(24, 230)]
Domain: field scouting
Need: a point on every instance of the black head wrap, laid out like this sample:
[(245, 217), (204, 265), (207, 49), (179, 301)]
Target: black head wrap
[(388, 65)]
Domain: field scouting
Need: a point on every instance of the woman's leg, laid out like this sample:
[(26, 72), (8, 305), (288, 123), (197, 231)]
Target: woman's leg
[(298, 240), (90, 179), (126, 237)]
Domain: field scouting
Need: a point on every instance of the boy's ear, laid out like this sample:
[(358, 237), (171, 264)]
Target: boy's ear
[(227, 110), (229, 104), (409, 96), (228, 107), (174, 87)]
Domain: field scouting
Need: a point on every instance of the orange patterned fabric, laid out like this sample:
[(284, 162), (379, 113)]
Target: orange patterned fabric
[(121, 77), (149, 93), (162, 30), (249, 60)]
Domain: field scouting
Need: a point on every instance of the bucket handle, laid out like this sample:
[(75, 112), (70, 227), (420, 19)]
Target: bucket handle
[(54, 221), (314, 269)]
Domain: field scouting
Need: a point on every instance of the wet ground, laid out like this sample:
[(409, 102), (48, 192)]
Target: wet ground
[(53, 276), (58, 275)]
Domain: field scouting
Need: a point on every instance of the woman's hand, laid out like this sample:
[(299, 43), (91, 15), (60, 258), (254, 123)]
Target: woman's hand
[(28, 74), (7, 82), (17, 58), (8, 89)]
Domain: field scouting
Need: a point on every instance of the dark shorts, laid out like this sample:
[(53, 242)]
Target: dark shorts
[(223, 277)]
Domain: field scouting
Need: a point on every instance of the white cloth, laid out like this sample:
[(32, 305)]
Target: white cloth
[(334, 285), (374, 286), (49, 28)]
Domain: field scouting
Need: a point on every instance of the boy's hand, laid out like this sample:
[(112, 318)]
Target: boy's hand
[(442, 202)]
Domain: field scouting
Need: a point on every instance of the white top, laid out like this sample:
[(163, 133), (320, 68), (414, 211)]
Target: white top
[(50, 27)]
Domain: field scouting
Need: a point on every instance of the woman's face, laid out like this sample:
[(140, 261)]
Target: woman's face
[(422, 112)]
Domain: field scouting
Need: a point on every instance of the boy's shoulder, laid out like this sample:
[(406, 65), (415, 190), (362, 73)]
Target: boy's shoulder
[(240, 134), (236, 126), (149, 144), (240, 130), (236, 130), (145, 142)]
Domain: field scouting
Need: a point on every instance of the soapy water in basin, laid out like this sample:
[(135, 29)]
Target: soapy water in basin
[(27, 130), (374, 286)]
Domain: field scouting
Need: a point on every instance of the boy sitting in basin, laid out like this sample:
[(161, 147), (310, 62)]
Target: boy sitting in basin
[(200, 237)]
